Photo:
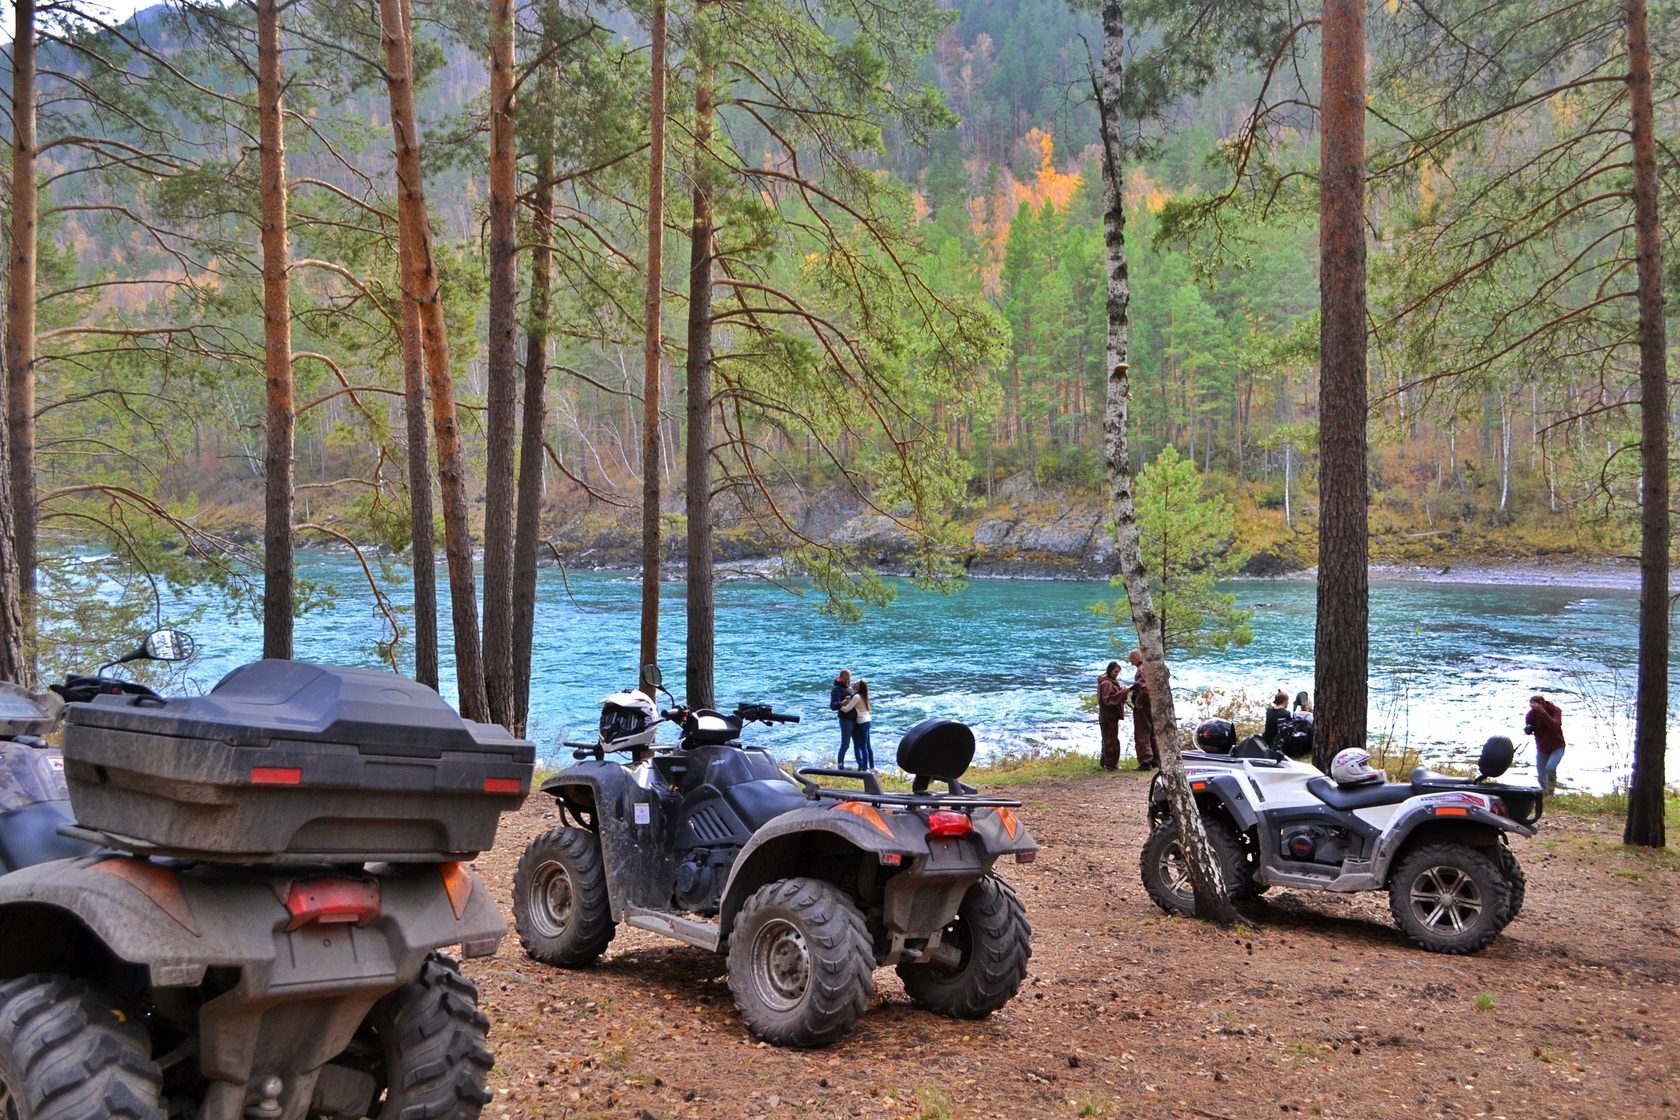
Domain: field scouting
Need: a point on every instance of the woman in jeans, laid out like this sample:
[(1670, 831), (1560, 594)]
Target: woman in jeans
[(858, 705)]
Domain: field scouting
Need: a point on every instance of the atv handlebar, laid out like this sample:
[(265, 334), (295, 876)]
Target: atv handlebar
[(763, 713)]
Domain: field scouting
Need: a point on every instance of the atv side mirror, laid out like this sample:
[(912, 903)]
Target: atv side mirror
[(167, 645), (652, 676)]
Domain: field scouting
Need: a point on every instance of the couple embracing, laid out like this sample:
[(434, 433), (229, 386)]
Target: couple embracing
[(850, 700)]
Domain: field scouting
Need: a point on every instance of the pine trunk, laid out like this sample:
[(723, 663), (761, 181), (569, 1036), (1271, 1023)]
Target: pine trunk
[(422, 533), (12, 665), (531, 437), (420, 283), (653, 346), (501, 376), (702, 617), (1645, 797), (1341, 649), (1212, 898), (20, 323), (279, 480)]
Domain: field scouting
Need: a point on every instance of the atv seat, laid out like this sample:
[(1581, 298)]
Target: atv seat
[(1425, 780), (761, 801), (1358, 797)]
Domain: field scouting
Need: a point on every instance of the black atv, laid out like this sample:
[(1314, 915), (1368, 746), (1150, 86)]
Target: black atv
[(807, 888)]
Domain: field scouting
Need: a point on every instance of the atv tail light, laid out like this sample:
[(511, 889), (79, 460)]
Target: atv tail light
[(944, 822), (1497, 807), (501, 785), (892, 859), (276, 776), (332, 902), (1025, 857)]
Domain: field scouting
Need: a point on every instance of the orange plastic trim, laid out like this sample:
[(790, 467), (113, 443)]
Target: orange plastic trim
[(157, 883), (866, 812), (458, 885)]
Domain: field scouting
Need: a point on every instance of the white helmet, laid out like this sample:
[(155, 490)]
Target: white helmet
[(628, 719), (1352, 767)]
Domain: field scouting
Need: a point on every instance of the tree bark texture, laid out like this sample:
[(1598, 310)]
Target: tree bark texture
[(1650, 735), (502, 375), (702, 614), (20, 315), (13, 667), (278, 460), (420, 284), (1212, 899), (1342, 641), (529, 528), (652, 342), (422, 534)]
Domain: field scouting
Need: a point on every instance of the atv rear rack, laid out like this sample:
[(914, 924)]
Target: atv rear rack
[(960, 796)]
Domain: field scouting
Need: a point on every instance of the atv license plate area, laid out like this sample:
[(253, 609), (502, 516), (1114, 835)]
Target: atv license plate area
[(952, 854), (330, 956)]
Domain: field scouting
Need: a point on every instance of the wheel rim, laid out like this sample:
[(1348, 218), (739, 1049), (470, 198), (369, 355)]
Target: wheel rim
[(1446, 899), (552, 901), (781, 964), (1175, 871)]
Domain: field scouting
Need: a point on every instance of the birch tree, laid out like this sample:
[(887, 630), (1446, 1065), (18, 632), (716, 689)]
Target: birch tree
[(1212, 896)]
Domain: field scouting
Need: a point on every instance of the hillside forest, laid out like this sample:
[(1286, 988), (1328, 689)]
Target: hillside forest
[(428, 280)]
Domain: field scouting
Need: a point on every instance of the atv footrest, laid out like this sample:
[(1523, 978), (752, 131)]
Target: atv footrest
[(702, 935)]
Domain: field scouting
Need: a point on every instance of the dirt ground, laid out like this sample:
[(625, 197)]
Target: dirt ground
[(1321, 1009)]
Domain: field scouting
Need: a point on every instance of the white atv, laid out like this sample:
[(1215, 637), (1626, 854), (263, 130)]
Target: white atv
[(1437, 843)]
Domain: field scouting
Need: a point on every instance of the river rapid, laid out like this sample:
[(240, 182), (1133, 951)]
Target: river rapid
[(1451, 663)]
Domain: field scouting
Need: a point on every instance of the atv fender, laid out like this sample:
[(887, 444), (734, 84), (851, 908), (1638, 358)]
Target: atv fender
[(636, 832), (293, 997), (1223, 792), (919, 900), (1421, 820), (178, 924)]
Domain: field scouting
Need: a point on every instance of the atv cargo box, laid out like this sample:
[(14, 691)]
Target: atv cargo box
[(286, 762)]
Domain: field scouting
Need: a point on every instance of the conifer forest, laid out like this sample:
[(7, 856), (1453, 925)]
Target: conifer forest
[(466, 287)]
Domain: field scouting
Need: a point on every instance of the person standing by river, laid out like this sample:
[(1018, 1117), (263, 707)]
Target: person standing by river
[(858, 705), (1111, 705), (1545, 723), (1143, 727), (837, 697)]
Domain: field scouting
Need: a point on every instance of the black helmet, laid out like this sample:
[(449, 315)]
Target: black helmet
[(1216, 736)]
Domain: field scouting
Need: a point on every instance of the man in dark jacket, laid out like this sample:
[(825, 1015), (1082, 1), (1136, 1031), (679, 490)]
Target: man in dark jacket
[(1545, 723), (1143, 730), (1111, 705), (837, 696)]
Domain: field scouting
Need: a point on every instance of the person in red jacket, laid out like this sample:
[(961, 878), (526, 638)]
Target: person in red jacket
[(1111, 704), (1545, 723)]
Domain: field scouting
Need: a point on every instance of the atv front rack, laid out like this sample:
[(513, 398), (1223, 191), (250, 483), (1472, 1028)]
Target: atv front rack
[(959, 796)]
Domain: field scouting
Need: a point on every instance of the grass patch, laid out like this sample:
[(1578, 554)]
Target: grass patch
[(1033, 765), (933, 1104), (1484, 1002), (1301, 1051), (1094, 1104), (1608, 805)]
